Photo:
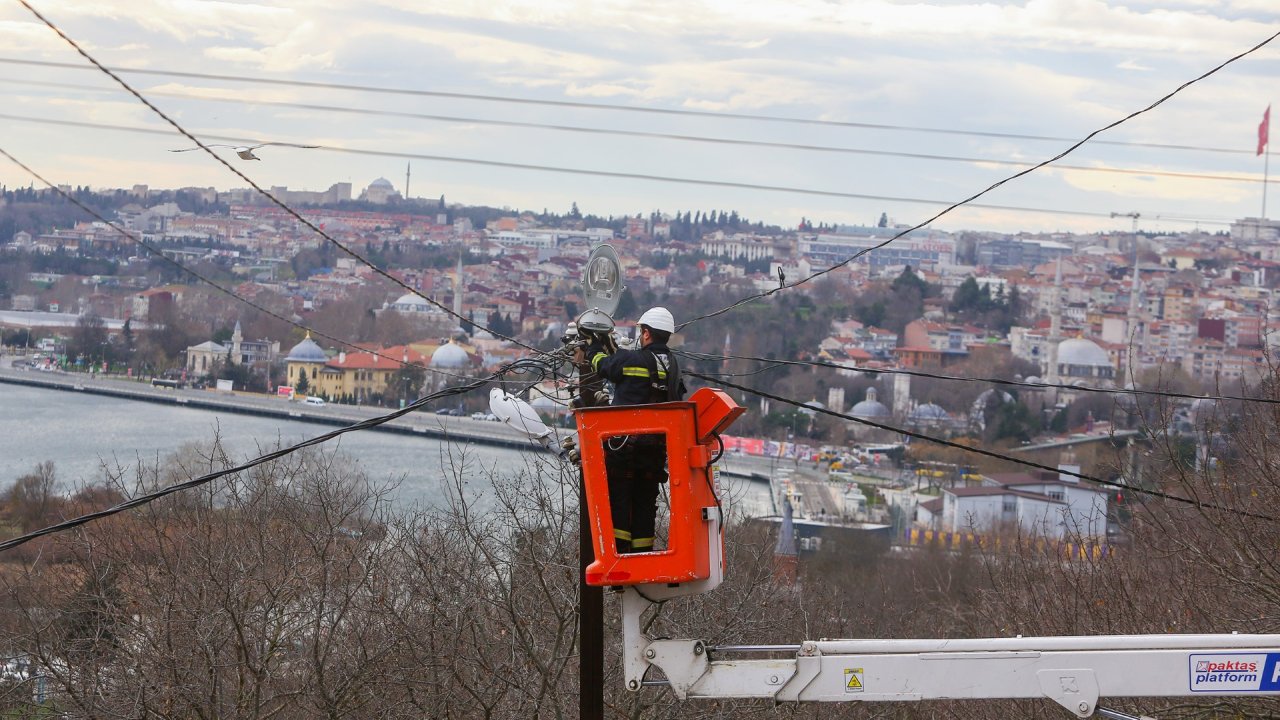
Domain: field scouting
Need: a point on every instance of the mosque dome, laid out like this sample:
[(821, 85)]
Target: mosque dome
[(1082, 362), (450, 355), (870, 408), (812, 407), (382, 183), (307, 351), (928, 413), (1086, 353), (411, 303)]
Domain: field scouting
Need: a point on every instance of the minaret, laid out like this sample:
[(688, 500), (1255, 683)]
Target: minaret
[(902, 394), (407, 166), (457, 288), (236, 338), (1134, 338), (1055, 325)]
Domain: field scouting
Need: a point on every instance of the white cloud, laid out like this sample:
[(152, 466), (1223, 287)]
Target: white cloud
[(1037, 67), (1133, 65)]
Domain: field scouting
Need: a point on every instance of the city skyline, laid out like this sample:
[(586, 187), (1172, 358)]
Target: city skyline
[(1045, 68)]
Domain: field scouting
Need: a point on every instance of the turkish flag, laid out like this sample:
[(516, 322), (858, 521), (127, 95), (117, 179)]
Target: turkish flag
[(1264, 130)]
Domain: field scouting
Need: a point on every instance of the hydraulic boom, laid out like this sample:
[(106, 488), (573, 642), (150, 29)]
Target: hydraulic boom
[(1072, 671)]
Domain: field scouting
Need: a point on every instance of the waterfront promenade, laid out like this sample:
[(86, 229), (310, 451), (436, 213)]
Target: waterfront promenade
[(423, 422)]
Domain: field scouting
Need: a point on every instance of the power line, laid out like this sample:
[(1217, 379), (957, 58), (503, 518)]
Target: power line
[(297, 216), (969, 200), (961, 378), (988, 453), (276, 454), (612, 107), (659, 135), (603, 173), (183, 268)]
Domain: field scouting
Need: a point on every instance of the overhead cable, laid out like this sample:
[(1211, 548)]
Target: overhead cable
[(661, 135), (137, 240), (274, 455), (960, 378), (274, 200), (610, 106), (969, 200), (601, 173), (988, 453)]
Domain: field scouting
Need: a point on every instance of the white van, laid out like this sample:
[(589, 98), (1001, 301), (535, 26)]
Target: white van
[(313, 400)]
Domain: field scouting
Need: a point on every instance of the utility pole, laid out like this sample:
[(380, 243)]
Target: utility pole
[(591, 624)]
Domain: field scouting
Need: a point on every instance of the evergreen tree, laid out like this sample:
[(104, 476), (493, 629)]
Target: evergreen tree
[(909, 279), (966, 297)]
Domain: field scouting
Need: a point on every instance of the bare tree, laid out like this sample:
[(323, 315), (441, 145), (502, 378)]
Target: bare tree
[(31, 501)]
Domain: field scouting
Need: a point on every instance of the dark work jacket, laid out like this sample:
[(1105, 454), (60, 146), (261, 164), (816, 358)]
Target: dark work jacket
[(631, 372)]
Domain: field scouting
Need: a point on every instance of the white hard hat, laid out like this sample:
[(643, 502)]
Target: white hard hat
[(658, 318)]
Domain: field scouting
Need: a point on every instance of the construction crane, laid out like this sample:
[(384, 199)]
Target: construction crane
[(1133, 215)]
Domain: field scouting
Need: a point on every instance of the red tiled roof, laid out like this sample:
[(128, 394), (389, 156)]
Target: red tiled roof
[(382, 361)]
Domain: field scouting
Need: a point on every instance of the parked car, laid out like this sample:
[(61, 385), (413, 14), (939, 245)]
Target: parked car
[(477, 415)]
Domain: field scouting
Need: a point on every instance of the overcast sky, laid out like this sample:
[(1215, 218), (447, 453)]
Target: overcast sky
[(1047, 68)]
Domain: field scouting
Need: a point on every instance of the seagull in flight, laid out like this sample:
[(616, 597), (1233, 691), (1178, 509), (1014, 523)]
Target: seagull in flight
[(246, 151)]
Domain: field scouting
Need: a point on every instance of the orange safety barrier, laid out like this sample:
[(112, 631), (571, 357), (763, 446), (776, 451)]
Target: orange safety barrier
[(690, 428)]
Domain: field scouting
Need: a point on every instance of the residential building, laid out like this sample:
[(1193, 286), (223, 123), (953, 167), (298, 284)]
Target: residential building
[(926, 249), (1043, 506)]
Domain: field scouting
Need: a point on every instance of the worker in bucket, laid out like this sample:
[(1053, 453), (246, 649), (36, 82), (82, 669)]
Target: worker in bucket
[(637, 464)]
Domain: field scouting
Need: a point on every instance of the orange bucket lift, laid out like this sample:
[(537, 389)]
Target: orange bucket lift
[(693, 560)]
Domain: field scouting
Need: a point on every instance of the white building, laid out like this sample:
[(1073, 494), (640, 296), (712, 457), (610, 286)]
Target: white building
[(930, 249), (1050, 508), (547, 238), (380, 192), (738, 246)]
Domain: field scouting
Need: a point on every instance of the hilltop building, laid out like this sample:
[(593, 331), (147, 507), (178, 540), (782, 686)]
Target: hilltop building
[(380, 192)]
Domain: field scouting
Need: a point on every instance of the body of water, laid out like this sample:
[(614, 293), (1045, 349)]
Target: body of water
[(81, 433)]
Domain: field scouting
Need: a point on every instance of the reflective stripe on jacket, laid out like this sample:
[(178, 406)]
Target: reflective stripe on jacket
[(628, 370)]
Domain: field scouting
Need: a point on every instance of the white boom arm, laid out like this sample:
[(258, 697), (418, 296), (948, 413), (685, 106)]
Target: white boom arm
[(1072, 671)]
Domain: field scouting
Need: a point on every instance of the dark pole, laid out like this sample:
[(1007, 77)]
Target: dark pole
[(591, 624), (590, 599)]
